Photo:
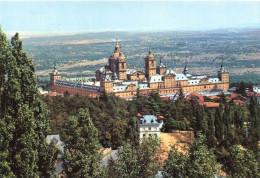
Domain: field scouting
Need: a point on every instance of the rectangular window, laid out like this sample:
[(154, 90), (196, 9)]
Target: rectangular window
[(143, 135), (150, 128)]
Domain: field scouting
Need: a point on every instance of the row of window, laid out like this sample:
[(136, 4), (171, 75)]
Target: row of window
[(150, 135)]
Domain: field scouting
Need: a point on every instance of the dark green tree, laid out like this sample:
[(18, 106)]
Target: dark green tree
[(141, 161), (242, 163), (254, 108), (23, 115), (81, 157), (241, 89), (200, 161), (175, 165)]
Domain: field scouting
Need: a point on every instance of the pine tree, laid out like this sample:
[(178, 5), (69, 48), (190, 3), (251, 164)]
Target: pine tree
[(81, 157)]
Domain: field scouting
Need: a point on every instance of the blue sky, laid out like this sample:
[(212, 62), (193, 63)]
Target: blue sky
[(127, 16)]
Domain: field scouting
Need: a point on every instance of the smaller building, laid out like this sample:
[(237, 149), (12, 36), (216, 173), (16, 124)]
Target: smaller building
[(150, 126)]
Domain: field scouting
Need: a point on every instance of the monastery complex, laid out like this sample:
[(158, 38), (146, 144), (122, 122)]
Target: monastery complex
[(117, 78)]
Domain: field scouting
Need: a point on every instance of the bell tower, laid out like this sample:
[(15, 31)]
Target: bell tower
[(150, 65), (106, 84), (223, 74), (121, 67), (54, 76)]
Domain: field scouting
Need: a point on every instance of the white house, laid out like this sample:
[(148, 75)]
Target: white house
[(149, 126)]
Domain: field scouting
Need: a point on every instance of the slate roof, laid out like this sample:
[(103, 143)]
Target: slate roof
[(150, 120), (78, 85)]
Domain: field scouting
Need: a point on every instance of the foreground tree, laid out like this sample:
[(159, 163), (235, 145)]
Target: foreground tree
[(24, 121), (199, 162), (141, 161), (175, 165), (81, 157), (242, 163)]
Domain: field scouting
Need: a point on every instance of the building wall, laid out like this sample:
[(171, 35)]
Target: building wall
[(149, 131), (54, 78), (161, 70), (136, 77), (106, 86), (74, 91)]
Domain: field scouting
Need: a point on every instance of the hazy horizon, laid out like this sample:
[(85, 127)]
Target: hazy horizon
[(65, 17)]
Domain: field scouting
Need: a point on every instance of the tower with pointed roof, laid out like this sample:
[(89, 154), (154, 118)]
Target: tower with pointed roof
[(161, 69), (106, 84), (150, 65), (54, 75), (185, 70), (223, 73)]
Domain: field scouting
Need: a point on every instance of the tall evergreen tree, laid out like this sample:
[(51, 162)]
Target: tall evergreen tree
[(81, 157), (254, 108), (24, 116)]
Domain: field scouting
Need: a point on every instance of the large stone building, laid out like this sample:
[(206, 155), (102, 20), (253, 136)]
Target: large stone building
[(117, 78)]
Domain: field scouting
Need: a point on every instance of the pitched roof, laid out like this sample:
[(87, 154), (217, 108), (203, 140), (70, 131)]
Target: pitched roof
[(242, 103), (196, 96), (211, 104), (214, 97), (149, 119)]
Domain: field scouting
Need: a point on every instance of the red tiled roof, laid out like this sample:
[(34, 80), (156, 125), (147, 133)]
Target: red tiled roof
[(234, 95), (196, 96), (165, 98), (214, 97), (52, 94), (211, 104), (242, 103), (139, 115)]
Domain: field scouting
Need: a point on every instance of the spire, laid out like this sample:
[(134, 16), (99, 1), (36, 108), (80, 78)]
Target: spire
[(55, 70), (222, 67), (106, 77), (150, 51), (117, 48), (185, 70), (222, 64)]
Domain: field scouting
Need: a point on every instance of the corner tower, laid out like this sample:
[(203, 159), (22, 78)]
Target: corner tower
[(161, 69), (54, 76), (223, 74), (150, 65), (106, 84)]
